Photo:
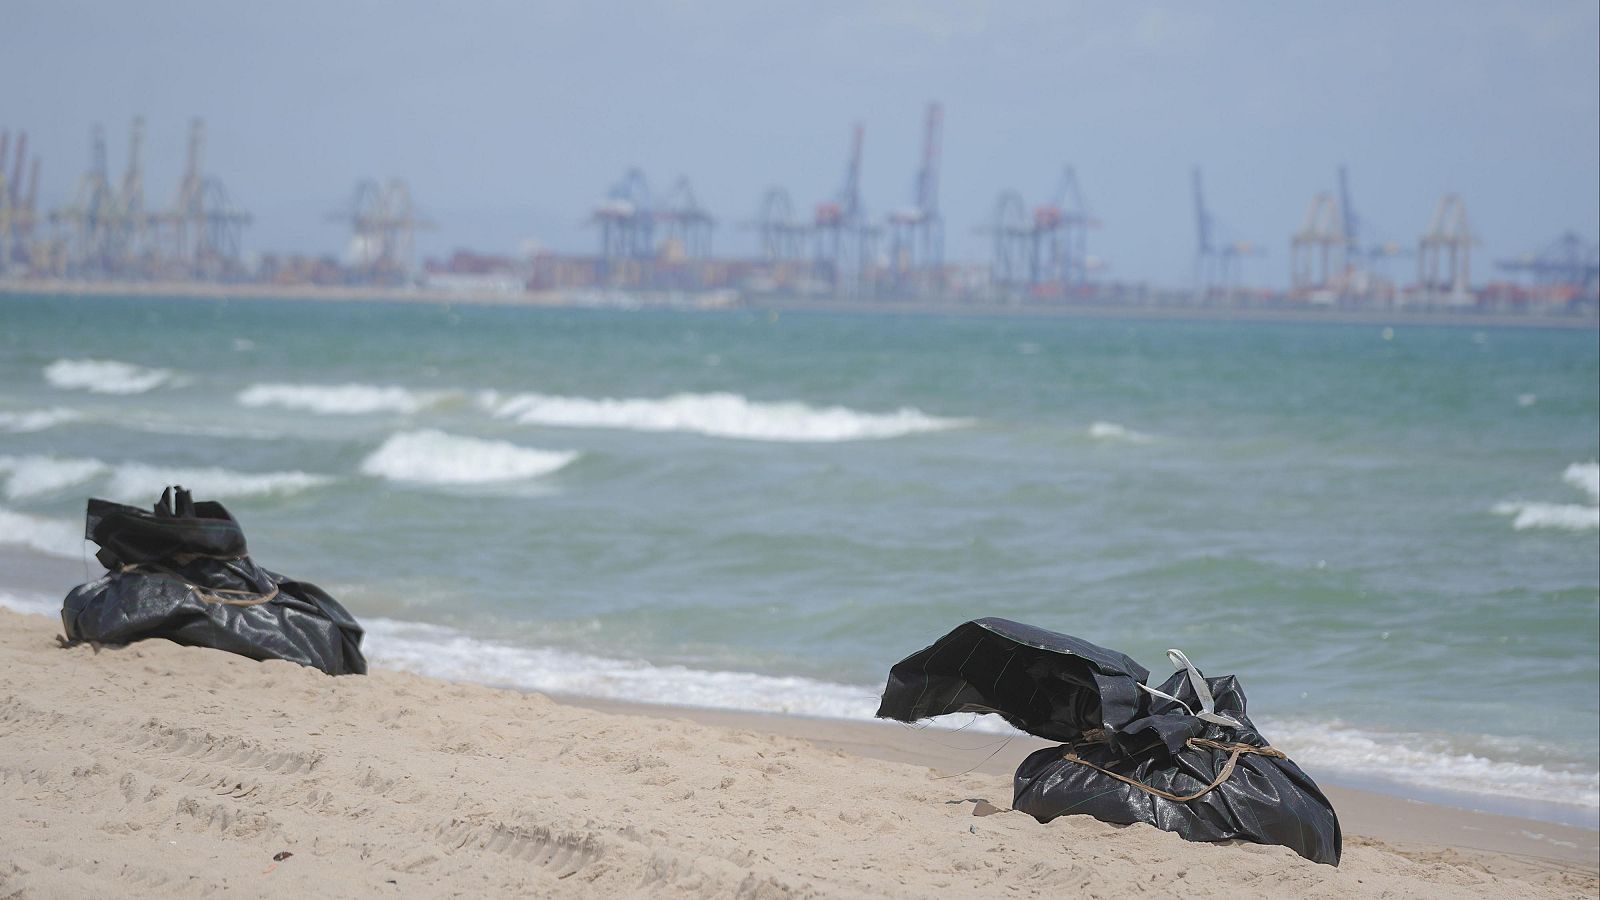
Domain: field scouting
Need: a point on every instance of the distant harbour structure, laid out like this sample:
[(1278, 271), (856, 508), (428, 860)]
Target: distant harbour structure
[(843, 240), (111, 232), (626, 221), (916, 233), (203, 225), (1444, 253), (1218, 269), (1334, 258), (1042, 253), (1317, 251), (651, 243), (18, 205), (88, 224), (1568, 266), (661, 244), (383, 226)]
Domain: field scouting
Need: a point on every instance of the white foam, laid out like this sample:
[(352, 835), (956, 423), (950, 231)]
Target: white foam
[(183, 428), (37, 419), (441, 652), (106, 376), (30, 605), (29, 476), (1585, 477), (1111, 431), (52, 536), (1423, 760), (718, 415), (340, 399), (433, 457), (1429, 761), (137, 481), (1563, 516)]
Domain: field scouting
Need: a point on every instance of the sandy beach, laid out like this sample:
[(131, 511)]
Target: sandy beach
[(717, 450), (156, 769)]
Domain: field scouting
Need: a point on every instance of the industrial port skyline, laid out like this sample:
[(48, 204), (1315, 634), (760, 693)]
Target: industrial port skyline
[(112, 230), (1076, 182)]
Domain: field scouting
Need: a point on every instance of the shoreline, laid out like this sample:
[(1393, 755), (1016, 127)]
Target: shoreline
[(1397, 816), (32, 574), (729, 300), (182, 771), (29, 573), (1363, 813)]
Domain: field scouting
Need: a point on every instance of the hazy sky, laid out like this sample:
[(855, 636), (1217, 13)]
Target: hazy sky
[(511, 119)]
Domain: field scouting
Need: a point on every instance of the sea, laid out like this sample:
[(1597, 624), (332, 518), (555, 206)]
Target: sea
[(1390, 534)]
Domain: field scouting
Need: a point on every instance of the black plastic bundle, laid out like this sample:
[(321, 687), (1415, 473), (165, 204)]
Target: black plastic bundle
[(182, 572), (1183, 756)]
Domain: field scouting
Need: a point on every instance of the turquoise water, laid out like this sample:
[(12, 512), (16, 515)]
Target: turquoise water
[(1390, 536)]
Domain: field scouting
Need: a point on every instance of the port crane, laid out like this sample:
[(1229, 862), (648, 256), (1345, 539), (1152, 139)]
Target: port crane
[(842, 240), (1217, 267), (916, 234)]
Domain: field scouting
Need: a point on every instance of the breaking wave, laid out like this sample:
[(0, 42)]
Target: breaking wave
[(1431, 762), (441, 652), (433, 457), (137, 481), (106, 376), (30, 605), (28, 476), (340, 399), (52, 536), (722, 415), (37, 419), (1563, 516), (1419, 760), (197, 428), (31, 476), (1585, 477), (1111, 431)]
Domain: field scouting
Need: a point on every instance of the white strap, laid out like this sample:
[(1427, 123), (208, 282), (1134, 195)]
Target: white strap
[(1208, 704), (1165, 696)]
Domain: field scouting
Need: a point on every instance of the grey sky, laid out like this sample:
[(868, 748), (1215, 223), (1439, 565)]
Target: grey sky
[(511, 119)]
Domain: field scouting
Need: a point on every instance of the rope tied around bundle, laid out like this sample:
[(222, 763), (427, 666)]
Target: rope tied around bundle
[(220, 596), (1234, 751)]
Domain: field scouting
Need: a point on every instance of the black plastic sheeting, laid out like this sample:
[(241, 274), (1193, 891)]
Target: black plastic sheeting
[(1066, 689), (182, 572)]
